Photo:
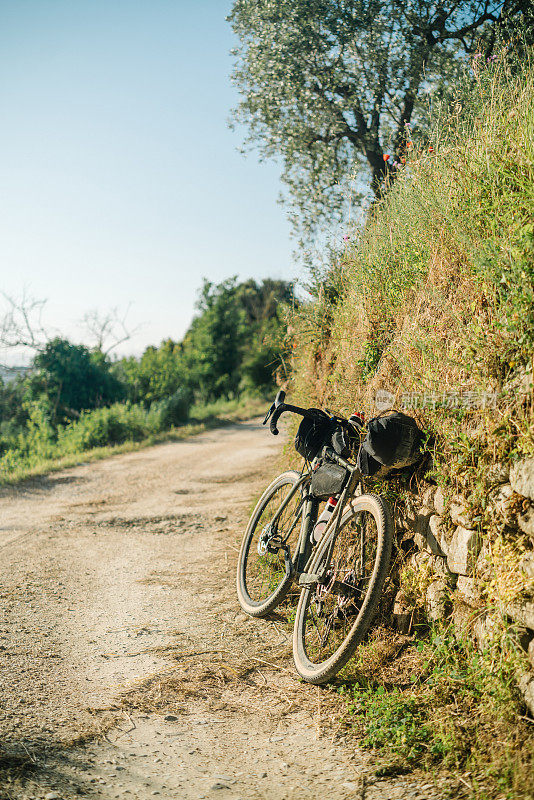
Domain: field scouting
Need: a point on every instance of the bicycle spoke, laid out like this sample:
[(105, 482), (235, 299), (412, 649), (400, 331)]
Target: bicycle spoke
[(266, 570), (334, 606)]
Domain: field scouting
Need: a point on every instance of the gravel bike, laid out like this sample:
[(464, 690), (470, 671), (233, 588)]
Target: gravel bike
[(339, 567)]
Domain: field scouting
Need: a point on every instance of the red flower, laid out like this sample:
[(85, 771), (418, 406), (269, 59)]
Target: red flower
[(409, 144), (385, 157), (430, 149)]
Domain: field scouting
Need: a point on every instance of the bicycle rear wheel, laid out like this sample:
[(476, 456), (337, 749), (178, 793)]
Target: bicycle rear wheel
[(334, 615), (265, 567)]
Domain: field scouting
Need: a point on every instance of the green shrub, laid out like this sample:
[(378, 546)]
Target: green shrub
[(174, 410), (103, 427)]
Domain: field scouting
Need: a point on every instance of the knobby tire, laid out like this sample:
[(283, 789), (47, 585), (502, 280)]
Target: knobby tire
[(333, 618)]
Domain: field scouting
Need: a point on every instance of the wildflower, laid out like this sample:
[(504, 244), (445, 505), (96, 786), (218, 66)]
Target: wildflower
[(477, 55), (403, 160), (346, 238), (385, 157), (430, 149), (409, 144)]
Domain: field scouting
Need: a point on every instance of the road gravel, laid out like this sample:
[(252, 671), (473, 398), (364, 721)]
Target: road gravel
[(127, 669)]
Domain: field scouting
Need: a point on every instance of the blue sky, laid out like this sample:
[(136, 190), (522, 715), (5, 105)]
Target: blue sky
[(120, 181)]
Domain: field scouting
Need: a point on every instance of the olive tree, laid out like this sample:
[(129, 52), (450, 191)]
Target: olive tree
[(330, 86)]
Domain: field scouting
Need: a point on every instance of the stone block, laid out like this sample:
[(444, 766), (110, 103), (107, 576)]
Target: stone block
[(417, 523), (440, 568), (526, 687), (463, 551), (444, 543), (402, 612), (468, 588), (435, 524), (521, 384), (522, 477), (427, 500), (501, 501), (484, 569), (439, 501), (503, 495), (524, 635), (462, 616), (484, 631), (497, 473), (436, 600), (526, 565), (428, 538), (439, 545), (522, 612), (526, 521), (459, 513), (420, 560)]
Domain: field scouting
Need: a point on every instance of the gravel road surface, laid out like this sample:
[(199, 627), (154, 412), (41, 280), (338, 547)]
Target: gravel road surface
[(127, 669)]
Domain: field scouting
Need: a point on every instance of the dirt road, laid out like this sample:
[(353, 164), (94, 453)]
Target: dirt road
[(119, 618)]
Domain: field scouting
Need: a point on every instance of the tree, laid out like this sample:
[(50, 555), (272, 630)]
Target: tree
[(21, 326), (233, 344), (158, 374), (72, 379), (261, 300), (330, 85), (108, 329), (212, 345)]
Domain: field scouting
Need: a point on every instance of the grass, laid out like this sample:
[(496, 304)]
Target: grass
[(438, 703), (436, 292), (44, 460)]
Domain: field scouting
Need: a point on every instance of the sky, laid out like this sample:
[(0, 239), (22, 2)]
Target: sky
[(121, 184)]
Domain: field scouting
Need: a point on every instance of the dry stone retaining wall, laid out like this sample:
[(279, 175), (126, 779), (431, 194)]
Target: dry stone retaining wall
[(452, 549)]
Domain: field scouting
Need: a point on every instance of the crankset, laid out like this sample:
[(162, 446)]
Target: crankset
[(272, 542)]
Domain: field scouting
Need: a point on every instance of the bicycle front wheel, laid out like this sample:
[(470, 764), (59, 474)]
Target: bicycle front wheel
[(265, 567), (334, 615)]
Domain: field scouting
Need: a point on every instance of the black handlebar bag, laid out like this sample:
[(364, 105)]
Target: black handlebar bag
[(313, 433), (392, 443)]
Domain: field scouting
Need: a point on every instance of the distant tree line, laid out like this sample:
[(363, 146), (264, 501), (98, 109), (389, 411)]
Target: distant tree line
[(233, 347)]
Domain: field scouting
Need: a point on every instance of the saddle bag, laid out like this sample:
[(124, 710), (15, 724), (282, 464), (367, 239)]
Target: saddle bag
[(328, 480), (392, 443)]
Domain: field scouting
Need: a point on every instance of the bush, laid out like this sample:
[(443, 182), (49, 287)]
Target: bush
[(102, 427), (175, 409)]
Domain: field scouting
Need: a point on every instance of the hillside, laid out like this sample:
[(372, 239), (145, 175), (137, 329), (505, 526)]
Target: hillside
[(429, 309)]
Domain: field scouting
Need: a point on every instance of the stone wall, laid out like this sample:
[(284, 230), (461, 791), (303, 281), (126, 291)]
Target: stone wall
[(464, 576)]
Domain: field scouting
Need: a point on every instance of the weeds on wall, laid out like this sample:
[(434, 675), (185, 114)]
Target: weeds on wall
[(438, 702)]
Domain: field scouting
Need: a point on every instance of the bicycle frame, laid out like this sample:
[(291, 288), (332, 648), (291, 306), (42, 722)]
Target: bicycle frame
[(303, 552), (332, 527)]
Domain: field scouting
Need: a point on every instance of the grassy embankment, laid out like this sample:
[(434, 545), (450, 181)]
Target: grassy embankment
[(98, 434), (435, 296)]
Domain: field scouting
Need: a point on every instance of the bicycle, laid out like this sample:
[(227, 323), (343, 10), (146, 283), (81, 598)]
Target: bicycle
[(342, 574)]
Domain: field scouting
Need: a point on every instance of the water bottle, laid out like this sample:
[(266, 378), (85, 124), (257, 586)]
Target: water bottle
[(322, 522)]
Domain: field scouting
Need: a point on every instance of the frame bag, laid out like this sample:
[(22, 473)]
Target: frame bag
[(328, 480), (345, 439)]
